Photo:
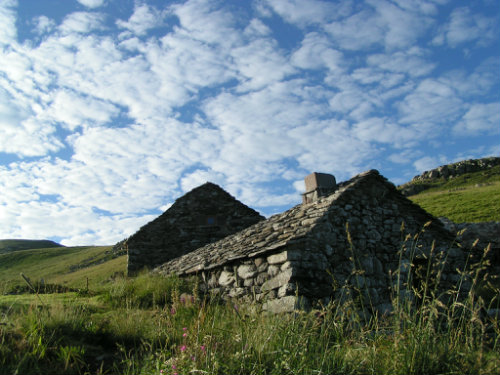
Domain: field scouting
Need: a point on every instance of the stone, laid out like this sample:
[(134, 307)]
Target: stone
[(285, 304), (226, 278), (273, 270), (258, 261), (277, 258), (247, 271), (277, 281)]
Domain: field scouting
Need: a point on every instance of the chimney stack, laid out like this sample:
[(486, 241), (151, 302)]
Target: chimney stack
[(318, 185)]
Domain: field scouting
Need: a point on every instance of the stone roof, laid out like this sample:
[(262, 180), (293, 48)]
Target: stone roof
[(288, 227), (205, 214)]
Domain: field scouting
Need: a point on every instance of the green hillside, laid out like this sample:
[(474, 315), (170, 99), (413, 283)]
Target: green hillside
[(471, 197), (15, 245), (68, 266)]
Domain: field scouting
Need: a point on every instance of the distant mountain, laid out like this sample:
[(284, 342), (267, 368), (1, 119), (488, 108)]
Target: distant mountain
[(15, 245)]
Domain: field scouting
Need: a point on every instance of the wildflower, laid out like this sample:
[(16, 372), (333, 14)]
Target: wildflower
[(172, 311), (184, 329), (174, 367), (184, 334), (203, 348), (183, 348)]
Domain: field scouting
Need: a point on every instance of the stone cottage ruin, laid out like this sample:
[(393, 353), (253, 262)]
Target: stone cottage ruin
[(362, 233)]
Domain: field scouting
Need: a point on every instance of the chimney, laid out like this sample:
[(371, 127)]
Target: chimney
[(318, 185)]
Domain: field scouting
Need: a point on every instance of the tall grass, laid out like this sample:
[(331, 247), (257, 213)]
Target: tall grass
[(153, 325)]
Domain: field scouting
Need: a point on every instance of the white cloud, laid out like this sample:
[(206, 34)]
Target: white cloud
[(43, 24), (402, 25), (359, 31), (21, 135), (465, 26), (74, 110), (480, 118), (316, 52), (260, 63), (411, 62), (143, 19), (82, 22), (306, 12), (8, 31), (382, 130), (432, 101), (257, 28), (92, 3), (208, 22), (382, 23)]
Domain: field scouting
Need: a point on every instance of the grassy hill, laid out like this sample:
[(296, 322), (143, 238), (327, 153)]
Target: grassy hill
[(15, 245), (471, 197), (68, 266)]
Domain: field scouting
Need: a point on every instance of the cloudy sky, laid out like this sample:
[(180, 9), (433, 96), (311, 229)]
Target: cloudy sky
[(112, 109)]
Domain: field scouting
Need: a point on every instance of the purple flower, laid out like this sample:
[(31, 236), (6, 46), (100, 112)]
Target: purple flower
[(172, 311), (183, 348)]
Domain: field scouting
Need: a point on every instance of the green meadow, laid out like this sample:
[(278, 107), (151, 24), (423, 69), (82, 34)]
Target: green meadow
[(472, 197)]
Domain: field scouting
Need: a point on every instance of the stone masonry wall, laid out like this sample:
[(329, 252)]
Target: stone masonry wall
[(355, 238), (204, 215)]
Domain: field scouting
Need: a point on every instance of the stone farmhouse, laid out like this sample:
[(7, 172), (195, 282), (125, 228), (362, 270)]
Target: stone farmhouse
[(361, 234)]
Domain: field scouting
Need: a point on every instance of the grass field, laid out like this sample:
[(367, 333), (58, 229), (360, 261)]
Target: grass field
[(464, 204), (68, 266), (472, 197), (146, 325)]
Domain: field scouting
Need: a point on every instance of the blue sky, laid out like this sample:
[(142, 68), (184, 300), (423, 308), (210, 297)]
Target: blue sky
[(112, 109)]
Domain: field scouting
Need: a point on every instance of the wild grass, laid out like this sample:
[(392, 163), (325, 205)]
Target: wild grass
[(157, 325)]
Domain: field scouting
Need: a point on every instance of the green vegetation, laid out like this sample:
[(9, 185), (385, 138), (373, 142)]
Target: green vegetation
[(472, 197), (67, 266), (15, 245), (160, 325), (467, 204)]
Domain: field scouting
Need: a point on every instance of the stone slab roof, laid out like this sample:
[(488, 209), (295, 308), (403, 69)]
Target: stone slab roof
[(282, 229)]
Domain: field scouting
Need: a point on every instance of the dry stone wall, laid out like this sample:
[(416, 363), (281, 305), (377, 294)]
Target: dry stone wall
[(363, 237)]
